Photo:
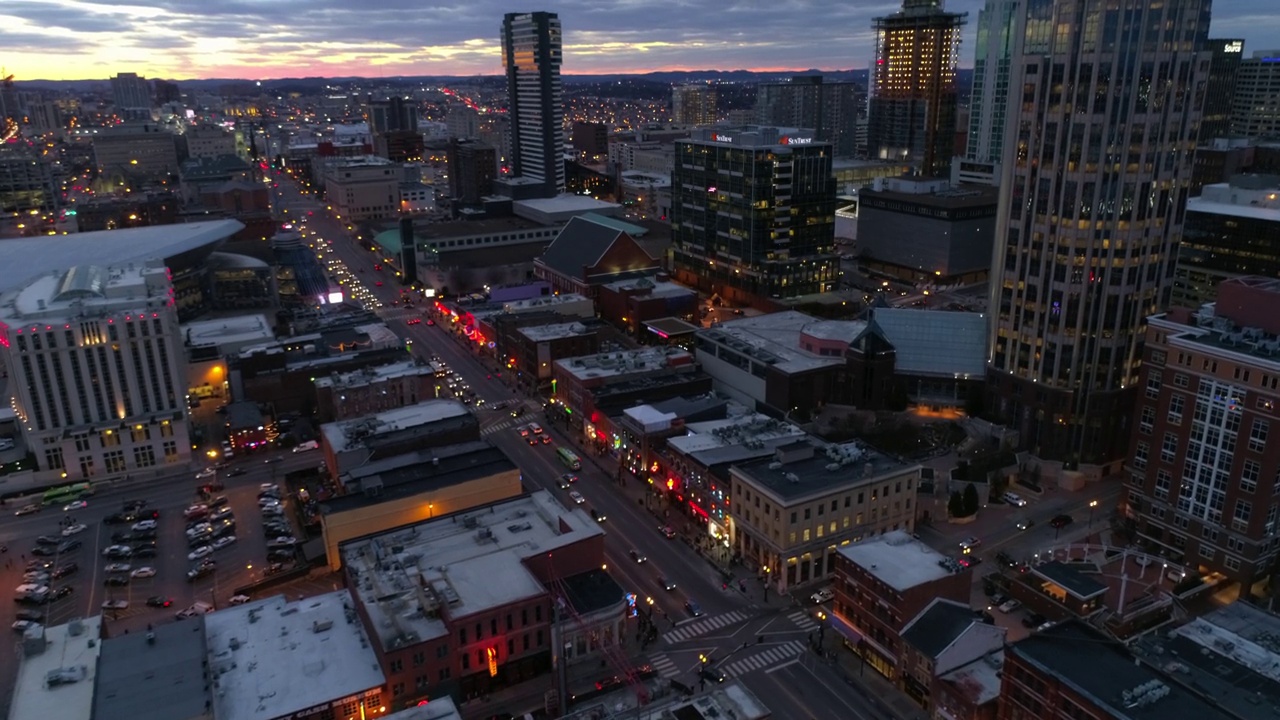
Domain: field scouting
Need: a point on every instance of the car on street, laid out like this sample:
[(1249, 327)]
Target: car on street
[(598, 516), (710, 674), (143, 572), (535, 428), (206, 473), (74, 529), (115, 604), (637, 556), (272, 460), (562, 483), (223, 542), (116, 580), (201, 552), (159, 601), (143, 525), (969, 543), (27, 510), (1009, 606), (76, 505), (236, 472), (693, 607), (1006, 559), (238, 599), (666, 584), (823, 595), (134, 505), (523, 430), (576, 497), (1024, 523), (117, 568), (569, 478), (546, 439), (517, 412), (1061, 521), (64, 570), (667, 530)]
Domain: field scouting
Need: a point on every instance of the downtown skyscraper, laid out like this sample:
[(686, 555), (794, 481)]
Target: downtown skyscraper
[(913, 87), (531, 54), (989, 95), (1105, 99)]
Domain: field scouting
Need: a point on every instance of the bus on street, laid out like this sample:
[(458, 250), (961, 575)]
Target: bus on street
[(569, 459)]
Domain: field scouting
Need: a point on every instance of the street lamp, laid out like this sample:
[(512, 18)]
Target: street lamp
[(431, 508), (1092, 504)]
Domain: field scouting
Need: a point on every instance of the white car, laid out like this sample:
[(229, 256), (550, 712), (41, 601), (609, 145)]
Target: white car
[(118, 567), (284, 541), (143, 572), (225, 541), (115, 605), (77, 505), (24, 625), (969, 543), (75, 529), (200, 552), (1009, 606), (268, 487), (206, 473), (267, 502), (142, 525), (239, 599), (823, 595), (577, 497)]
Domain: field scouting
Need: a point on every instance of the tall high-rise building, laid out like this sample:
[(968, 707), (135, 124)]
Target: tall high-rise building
[(1220, 92), (531, 45), (392, 114), (1094, 183), (131, 95), (694, 104), (913, 86), (830, 109), (473, 165), (753, 213), (1255, 108), (989, 96)]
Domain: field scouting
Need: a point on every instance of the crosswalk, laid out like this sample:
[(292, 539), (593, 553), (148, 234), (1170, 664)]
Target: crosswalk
[(663, 664), (773, 656), (803, 620), (704, 626), (497, 427)]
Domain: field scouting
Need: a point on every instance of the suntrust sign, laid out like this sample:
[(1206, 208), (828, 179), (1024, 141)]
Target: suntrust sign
[(717, 137), (788, 140)]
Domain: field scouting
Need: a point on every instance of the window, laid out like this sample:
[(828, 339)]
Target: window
[(466, 661), (1207, 551), (442, 651), (1231, 563), (397, 690), (1163, 480), (1258, 435), (419, 658), (462, 636), (1180, 380), (397, 665), (1148, 419), (1176, 405), (444, 674), (1240, 520), (1249, 476), (1153, 384), (1140, 452), (1169, 448)]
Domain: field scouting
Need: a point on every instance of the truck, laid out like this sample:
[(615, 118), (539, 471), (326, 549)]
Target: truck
[(197, 608)]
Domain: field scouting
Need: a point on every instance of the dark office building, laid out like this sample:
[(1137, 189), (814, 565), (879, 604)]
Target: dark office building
[(753, 213), (1231, 230), (830, 109), (591, 139), (531, 55), (472, 167), (393, 123), (913, 87), (1220, 90)]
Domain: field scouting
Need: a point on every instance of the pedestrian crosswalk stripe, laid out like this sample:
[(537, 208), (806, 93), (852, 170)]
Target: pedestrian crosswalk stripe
[(803, 620), (665, 667), (772, 656), (701, 627), (496, 427)]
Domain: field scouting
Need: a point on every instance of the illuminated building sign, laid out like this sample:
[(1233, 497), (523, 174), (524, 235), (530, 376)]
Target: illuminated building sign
[(1233, 47), (493, 661), (786, 140), (717, 137)]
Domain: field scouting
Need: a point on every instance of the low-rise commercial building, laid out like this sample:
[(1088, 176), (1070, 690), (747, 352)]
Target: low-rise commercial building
[(157, 675), (57, 668), (592, 251), (538, 346), (630, 304), (316, 661), (790, 513), (466, 603), (882, 584), (135, 153), (362, 188), (944, 637), (413, 487), (1231, 230), (578, 381), (373, 389), (353, 443)]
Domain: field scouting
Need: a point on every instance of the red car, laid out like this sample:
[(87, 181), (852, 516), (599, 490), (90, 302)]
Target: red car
[(379, 283), (415, 321)]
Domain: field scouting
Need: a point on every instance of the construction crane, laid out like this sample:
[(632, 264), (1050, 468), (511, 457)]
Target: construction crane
[(612, 652)]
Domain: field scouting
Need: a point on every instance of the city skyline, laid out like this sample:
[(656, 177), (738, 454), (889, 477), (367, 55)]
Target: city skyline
[(231, 39)]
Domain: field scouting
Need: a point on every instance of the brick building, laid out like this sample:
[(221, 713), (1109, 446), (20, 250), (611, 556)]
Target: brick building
[(1200, 465), (373, 389), (589, 252), (884, 582), (945, 636), (629, 304), (537, 347)]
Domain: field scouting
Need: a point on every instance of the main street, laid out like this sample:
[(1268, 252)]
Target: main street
[(741, 633)]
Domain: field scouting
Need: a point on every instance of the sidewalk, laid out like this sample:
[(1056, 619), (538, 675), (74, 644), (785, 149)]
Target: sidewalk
[(887, 699), (531, 695)]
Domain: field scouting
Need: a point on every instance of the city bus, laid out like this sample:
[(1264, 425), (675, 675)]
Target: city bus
[(569, 459), (66, 493)]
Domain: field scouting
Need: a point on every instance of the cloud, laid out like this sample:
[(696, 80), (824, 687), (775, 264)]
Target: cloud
[(257, 39)]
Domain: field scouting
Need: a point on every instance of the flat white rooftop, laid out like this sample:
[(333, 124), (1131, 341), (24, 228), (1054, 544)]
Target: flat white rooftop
[(897, 559), (74, 646), (377, 374), (272, 657), (347, 433), (775, 338), (411, 579), (230, 332), (546, 333), (612, 364), (86, 291), (440, 708), (732, 431)]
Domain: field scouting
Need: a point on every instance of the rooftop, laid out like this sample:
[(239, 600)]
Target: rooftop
[(978, 681), (234, 332), (73, 647), (713, 442), (1105, 672), (271, 657), (440, 708), (1070, 578), (654, 288), (935, 342), (1230, 655), (774, 338), (898, 560), (87, 291), (155, 675), (347, 434), (615, 364), (668, 326), (564, 204), (804, 469), (27, 258), (547, 333), (411, 578), (938, 626), (580, 244), (408, 474), (778, 139), (375, 374)]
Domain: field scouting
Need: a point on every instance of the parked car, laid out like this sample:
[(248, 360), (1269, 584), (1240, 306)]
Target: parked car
[(64, 570), (22, 626), (1009, 606), (1033, 620), (969, 543), (281, 555), (823, 595), (59, 593), (198, 572), (159, 601), (143, 525), (48, 540), (1061, 521), (117, 568), (115, 604), (145, 551), (223, 542), (238, 599), (202, 551), (143, 572), (116, 580), (67, 546), (283, 541)]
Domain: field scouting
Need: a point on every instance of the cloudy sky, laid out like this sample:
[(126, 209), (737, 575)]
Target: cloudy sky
[(261, 39)]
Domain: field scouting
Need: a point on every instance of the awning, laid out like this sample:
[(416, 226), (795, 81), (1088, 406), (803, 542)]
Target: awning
[(845, 630)]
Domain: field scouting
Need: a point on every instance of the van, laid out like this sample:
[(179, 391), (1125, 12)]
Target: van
[(305, 446), (199, 608), (1014, 499)]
